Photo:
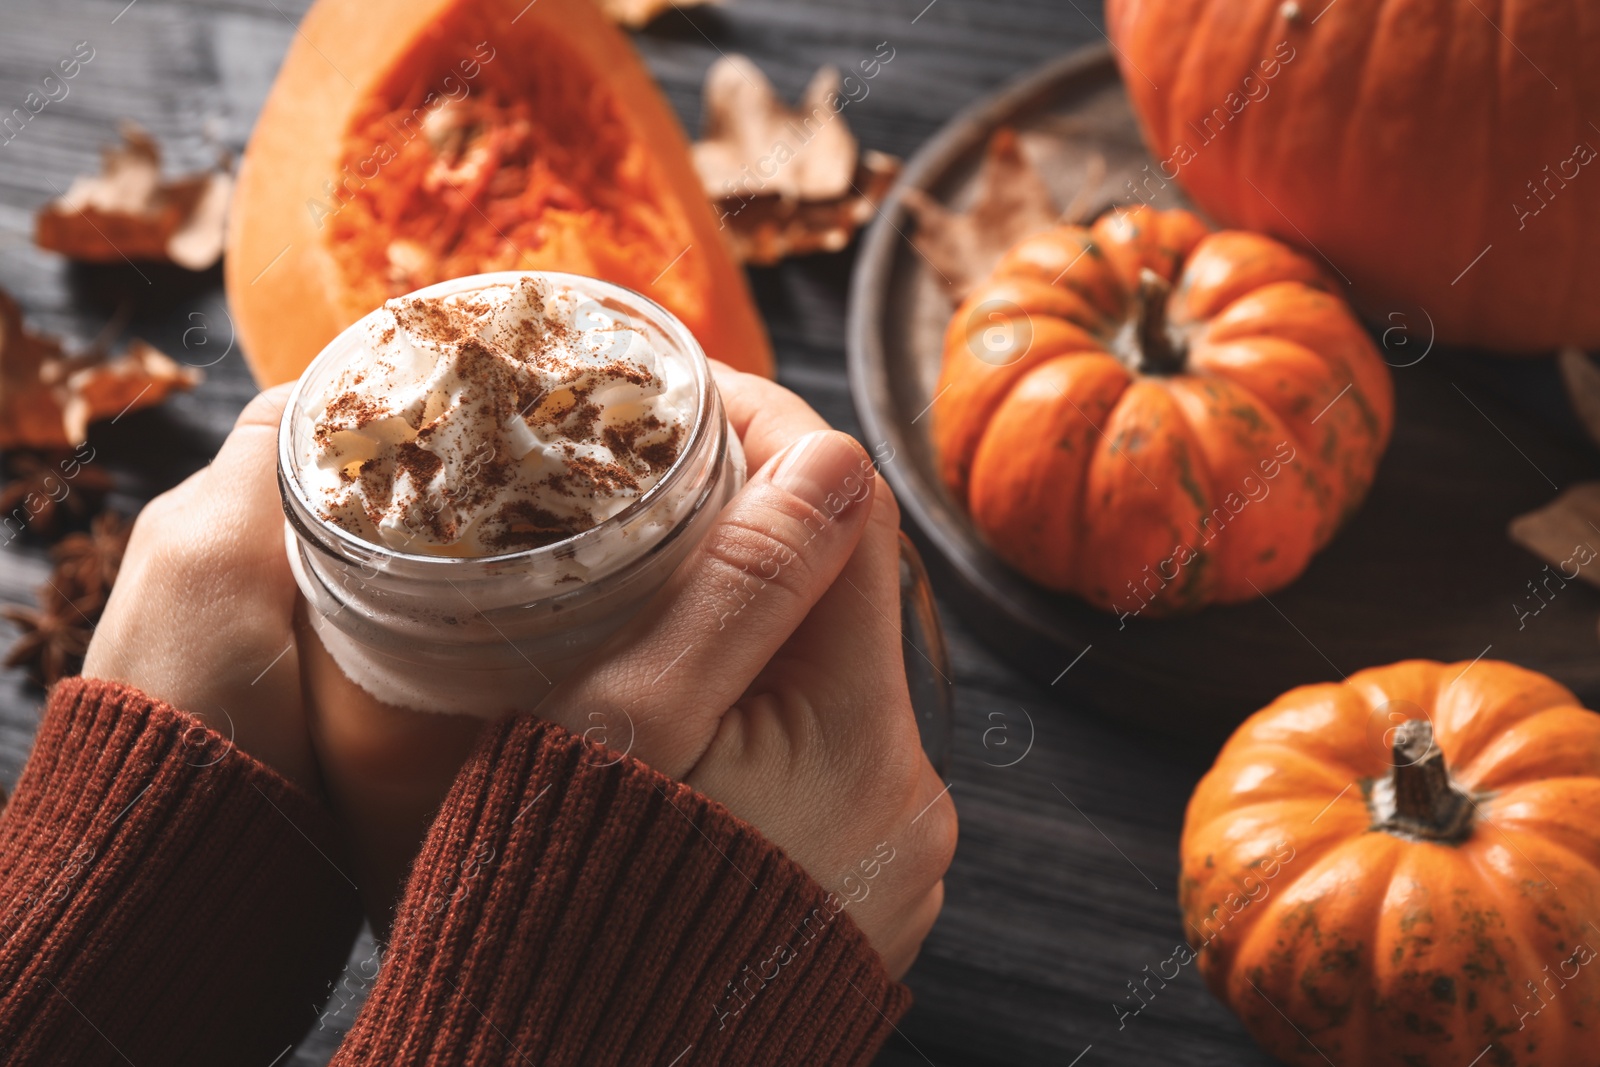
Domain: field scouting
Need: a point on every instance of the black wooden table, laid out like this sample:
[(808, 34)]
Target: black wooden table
[(1063, 890)]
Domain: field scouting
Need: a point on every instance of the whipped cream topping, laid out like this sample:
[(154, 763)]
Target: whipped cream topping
[(494, 421)]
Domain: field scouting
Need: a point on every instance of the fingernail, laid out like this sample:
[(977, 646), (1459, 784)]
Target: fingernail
[(825, 469)]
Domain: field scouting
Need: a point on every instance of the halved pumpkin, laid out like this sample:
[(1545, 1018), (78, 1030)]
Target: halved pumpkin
[(410, 141)]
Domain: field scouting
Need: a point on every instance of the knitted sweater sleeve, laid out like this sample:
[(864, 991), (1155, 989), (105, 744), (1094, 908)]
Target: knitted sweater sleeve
[(571, 906), (164, 898)]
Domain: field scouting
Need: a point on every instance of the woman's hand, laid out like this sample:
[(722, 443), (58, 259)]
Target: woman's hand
[(202, 613), (768, 675), (806, 730)]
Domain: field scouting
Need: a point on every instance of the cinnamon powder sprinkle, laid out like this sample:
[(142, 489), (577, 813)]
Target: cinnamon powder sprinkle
[(459, 472)]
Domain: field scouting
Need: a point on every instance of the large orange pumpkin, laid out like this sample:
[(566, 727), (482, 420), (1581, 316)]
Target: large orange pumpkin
[(1436, 152), (410, 141), (1404, 869), (1154, 416)]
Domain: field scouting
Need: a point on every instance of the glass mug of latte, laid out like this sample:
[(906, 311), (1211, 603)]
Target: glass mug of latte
[(577, 449)]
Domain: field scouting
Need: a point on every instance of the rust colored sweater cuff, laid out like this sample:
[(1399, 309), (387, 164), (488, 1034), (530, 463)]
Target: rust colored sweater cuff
[(572, 906), (163, 897)]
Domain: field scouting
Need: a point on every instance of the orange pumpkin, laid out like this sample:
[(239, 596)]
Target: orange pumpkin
[(1404, 868), (1154, 416), (1437, 153), (411, 141)]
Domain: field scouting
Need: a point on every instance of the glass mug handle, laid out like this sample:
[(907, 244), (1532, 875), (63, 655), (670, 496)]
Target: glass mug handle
[(927, 658)]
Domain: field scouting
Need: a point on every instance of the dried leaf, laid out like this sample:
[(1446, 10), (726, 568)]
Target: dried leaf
[(1565, 533), (128, 212), (1582, 379), (29, 412), (767, 229), (638, 13), (785, 181), (1085, 203), (48, 397), (197, 244), (140, 377), (753, 144), (1011, 201)]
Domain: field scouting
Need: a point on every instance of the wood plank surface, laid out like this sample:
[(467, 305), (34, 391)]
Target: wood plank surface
[(1062, 892)]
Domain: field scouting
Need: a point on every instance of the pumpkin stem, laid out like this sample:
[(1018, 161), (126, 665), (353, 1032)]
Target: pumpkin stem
[(1156, 351), (1417, 799)]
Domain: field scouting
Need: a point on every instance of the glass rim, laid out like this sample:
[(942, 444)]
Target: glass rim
[(304, 513)]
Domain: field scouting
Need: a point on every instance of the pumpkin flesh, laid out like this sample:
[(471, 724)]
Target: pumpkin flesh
[(525, 173), (469, 137)]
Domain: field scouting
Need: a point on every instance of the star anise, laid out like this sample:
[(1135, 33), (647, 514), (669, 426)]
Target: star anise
[(87, 563), (46, 491), (55, 635), (54, 638)]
